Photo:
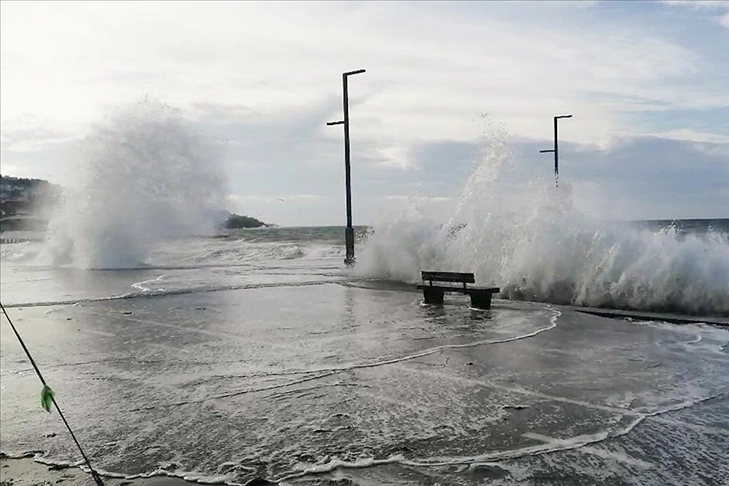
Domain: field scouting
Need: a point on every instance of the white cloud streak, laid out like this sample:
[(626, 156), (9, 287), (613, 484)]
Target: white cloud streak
[(724, 20), (718, 8)]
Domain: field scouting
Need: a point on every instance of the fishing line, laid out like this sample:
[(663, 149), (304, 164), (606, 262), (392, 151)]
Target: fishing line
[(94, 474)]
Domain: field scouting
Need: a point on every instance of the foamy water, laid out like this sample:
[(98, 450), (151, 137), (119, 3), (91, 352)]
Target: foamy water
[(334, 380), (144, 174), (533, 242)]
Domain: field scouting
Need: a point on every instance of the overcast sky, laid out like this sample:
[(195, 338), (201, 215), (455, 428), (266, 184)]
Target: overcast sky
[(645, 81)]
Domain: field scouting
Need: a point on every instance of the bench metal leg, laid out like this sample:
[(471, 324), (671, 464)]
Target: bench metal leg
[(481, 300), (433, 296)]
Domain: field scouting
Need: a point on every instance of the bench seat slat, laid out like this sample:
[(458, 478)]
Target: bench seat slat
[(448, 277), (453, 288)]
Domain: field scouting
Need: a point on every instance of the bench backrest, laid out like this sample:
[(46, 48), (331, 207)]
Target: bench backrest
[(463, 278)]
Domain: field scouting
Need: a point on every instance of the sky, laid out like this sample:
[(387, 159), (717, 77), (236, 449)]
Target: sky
[(646, 83)]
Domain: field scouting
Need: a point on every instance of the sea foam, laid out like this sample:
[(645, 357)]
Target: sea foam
[(533, 241), (144, 174)]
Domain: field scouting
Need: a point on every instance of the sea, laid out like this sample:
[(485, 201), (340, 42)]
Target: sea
[(257, 357)]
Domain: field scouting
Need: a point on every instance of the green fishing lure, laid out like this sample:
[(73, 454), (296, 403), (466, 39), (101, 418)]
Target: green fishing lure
[(46, 398)]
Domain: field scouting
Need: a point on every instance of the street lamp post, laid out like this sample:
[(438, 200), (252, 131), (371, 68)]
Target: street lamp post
[(349, 230), (555, 149)]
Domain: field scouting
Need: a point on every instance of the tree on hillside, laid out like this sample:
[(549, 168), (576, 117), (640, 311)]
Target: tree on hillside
[(236, 221)]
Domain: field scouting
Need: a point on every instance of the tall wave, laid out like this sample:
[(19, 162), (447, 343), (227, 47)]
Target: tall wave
[(530, 240), (144, 174)]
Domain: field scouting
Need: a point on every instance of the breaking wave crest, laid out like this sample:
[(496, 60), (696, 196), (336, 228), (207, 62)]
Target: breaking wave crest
[(533, 242), (145, 174)]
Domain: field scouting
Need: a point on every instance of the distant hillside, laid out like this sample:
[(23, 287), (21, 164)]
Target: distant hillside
[(19, 196), (19, 200)]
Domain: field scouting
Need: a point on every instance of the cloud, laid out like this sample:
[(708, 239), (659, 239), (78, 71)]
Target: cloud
[(425, 66), (633, 178), (24, 132), (247, 198), (261, 79), (420, 198), (284, 170), (724, 20), (33, 139), (719, 8), (691, 135), (653, 177), (695, 4)]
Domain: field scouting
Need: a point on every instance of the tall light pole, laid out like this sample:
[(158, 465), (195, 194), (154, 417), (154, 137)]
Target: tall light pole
[(349, 231), (555, 149)]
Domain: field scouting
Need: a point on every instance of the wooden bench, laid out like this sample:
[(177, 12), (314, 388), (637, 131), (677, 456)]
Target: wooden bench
[(433, 294)]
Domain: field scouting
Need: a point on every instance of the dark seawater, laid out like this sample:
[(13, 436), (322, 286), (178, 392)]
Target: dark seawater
[(335, 234), (687, 226)]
